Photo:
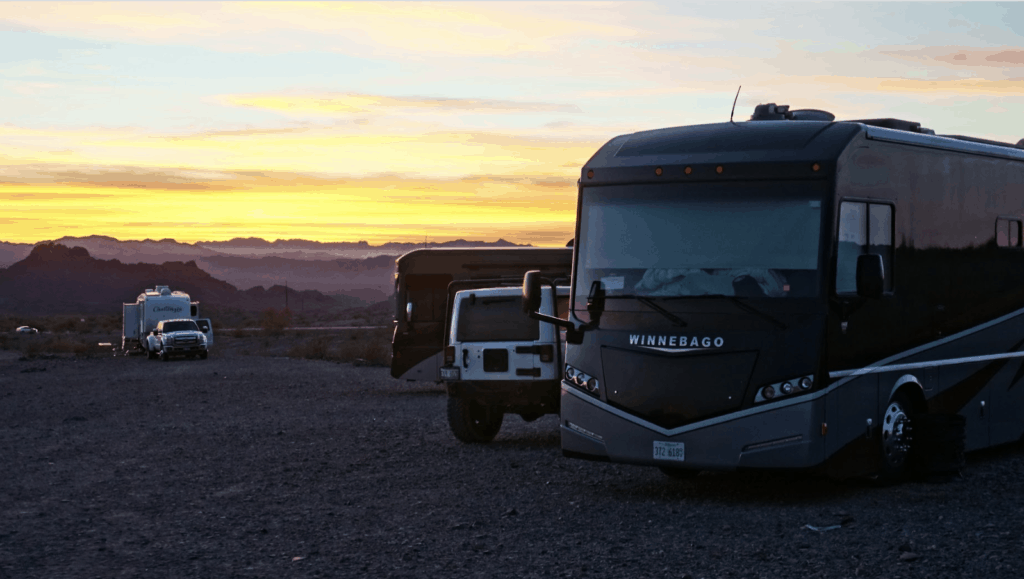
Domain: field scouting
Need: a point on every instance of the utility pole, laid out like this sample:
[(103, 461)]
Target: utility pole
[(286, 294)]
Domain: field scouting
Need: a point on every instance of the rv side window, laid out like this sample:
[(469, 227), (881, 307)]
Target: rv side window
[(864, 228), (1008, 232), (428, 294)]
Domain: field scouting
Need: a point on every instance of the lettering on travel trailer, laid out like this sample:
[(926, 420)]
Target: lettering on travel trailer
[(794, 293), (422, 279), (150, 308)]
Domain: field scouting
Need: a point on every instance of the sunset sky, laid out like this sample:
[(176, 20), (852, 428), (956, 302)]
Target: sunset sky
[(391, 121)]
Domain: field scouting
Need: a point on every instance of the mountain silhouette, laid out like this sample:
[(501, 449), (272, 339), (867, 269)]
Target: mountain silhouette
[(57, 279)]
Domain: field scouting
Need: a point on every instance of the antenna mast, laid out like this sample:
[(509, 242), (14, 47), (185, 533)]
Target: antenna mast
[(734, 104)]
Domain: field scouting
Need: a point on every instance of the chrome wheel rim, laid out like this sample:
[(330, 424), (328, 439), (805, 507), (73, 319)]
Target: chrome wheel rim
[(896, 434)]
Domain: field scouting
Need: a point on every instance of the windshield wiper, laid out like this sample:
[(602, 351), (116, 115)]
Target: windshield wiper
[(650, 303), (735, 299)]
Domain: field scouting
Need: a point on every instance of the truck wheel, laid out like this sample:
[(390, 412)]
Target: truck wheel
[(472, 421), (203, 355), (164, 357), (151, 354), (897, 439)]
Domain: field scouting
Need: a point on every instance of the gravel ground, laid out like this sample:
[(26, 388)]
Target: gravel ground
[(247, 466)]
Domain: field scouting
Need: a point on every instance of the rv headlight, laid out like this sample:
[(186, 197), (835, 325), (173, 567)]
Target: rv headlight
[(581, 380), (784, 388)]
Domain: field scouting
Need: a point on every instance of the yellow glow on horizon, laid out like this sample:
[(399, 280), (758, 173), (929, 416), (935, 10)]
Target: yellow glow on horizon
[(372, 212)]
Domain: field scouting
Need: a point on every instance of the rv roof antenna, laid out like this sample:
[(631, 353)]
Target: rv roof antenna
[(734, 104)]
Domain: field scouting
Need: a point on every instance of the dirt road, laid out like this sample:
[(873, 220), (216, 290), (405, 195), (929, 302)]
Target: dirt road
[(242, 466)]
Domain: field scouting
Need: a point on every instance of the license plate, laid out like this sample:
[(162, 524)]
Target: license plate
[(669, 451), (449, 373)]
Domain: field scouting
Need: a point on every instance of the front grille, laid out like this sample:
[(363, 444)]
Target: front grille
[(671, 391), (186, 341)]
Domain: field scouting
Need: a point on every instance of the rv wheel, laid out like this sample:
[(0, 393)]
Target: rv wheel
[(897, 438), (472, 421)]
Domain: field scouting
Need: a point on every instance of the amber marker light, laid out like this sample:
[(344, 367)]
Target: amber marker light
[(688, 170), (658, 171), (590, 174), (815, 167), (719, 169)]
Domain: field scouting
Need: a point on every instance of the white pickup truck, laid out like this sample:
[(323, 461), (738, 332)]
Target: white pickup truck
[(177, 338), (498, 360)]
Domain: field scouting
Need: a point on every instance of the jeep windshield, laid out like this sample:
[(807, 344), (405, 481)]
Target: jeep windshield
[(185, 326), (742, 240)]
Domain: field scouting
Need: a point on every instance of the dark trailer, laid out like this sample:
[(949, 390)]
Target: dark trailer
[(793, 292), (425, 280)]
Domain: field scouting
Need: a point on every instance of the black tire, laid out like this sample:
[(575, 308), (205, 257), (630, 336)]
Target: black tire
[(897, 439), (203, 355), (164, 357), (150, 354), (472, 421), (679, 473)]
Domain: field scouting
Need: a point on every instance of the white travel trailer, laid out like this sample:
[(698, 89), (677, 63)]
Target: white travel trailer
[(154, 306)]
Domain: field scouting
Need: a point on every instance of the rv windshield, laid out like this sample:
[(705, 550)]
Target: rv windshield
[(739, 239)]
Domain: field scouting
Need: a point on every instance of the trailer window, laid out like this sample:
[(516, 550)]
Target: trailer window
[(496, 319), (1008, 232), (864, 228)]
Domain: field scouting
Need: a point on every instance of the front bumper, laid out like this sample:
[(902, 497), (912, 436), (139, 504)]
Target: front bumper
[(780, 435), (190, 349)]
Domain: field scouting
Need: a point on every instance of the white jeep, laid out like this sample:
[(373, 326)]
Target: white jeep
[(498, 360)]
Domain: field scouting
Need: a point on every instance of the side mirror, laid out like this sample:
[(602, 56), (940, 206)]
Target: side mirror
[(870, 276), (531, 291), (408, 312)]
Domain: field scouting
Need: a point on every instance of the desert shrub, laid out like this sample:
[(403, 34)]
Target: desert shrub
[(273, 322), (314, 349), (370, 347), (61, 344)]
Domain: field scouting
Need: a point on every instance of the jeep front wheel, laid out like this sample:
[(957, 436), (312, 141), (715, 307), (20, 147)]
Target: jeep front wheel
[(472, 421)]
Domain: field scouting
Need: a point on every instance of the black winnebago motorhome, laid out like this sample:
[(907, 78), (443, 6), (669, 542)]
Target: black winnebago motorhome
[(793, 292), (425, 280)]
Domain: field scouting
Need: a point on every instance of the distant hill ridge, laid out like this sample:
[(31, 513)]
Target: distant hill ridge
[(160, 250), (56, 279), (351, 268)]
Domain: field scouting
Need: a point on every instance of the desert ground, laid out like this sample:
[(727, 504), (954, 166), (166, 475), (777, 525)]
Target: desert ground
[(257, 463)]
